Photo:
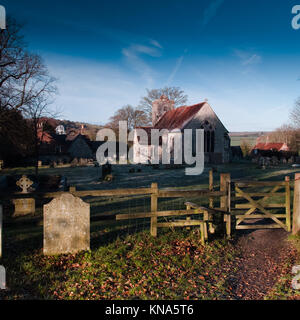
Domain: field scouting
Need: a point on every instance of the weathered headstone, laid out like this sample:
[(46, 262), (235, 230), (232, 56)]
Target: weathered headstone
[(275, 161), (40, 163), (66, 225), (83, 162), (74, 162), (1, 164), (23, 206), (53, 164)]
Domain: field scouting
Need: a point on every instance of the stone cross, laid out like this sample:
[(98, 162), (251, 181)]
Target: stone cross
[(24, 183)]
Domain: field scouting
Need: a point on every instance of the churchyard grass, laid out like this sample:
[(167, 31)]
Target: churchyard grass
[(124, 263), (172, 266)]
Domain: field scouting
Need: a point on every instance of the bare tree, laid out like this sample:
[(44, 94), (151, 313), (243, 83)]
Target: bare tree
[(295, 114), (286, 134), (246, 148), (38, 113), (25, 83), (173, 93), (23, 76), (135, 117)]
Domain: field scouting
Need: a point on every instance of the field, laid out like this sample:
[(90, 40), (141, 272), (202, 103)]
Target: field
[(125, 262), (250, 137)]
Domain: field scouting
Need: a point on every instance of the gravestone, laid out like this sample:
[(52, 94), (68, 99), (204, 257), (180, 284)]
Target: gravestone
[(66, 225), (83, 162), (1, 164), (40, 163), (74, 162), (24, 206), (275, 161), (2, 278)]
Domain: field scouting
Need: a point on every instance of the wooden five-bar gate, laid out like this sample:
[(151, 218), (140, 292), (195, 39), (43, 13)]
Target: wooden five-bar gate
[(259, 200)]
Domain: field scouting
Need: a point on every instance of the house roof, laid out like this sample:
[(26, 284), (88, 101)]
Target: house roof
[(271, 146), (177, 118), (44, 136)]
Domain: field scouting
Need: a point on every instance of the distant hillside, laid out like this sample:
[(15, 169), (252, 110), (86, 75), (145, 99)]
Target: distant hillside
[(250, 137), (75, 127)]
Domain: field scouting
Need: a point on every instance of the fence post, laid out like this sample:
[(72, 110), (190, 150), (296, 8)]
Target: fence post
[(288, 203), (225, 200), (154, 192), (296, 208), (1, 223), (211, 187), (188, 218)]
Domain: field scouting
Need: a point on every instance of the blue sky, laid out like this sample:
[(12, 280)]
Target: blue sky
[(241, 55)]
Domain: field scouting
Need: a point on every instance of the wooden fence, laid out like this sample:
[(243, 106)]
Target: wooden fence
[(205, 222), (255, 205)]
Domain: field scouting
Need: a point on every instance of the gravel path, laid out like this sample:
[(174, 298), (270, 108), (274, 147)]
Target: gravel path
[(263, 255)]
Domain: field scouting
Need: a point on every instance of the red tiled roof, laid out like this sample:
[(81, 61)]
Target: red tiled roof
[(271, 146), (44, 136), (177, 118)]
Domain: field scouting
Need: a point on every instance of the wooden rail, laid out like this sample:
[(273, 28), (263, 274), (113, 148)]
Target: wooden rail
[(162, 193)]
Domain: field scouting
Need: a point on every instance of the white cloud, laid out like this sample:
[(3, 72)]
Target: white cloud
[(254, 59), (155, 43), (211, 11), (248, 58), (134, 53)]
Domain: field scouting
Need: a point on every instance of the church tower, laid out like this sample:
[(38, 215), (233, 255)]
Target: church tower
[(160, 107)]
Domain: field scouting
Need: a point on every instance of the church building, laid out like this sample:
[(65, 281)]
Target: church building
[(198, 116)]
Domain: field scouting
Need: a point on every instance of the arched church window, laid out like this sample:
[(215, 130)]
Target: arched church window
[(209, 137)]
